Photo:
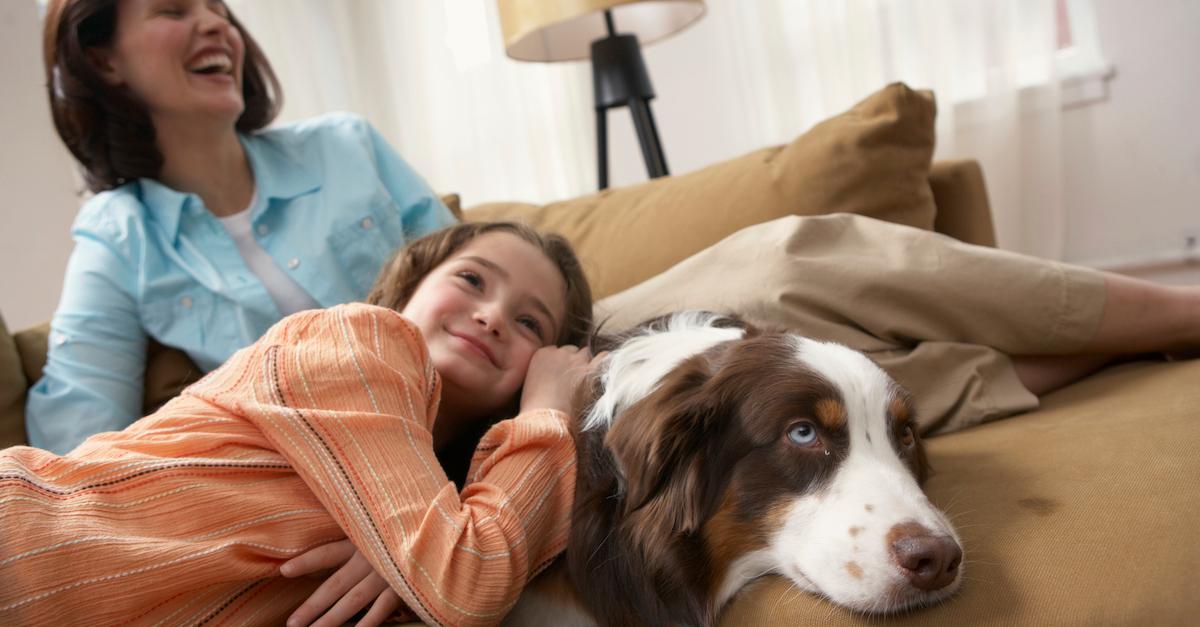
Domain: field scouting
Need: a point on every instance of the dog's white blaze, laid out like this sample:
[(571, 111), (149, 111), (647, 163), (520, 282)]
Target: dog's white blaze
[(834, 543), (643, 361)]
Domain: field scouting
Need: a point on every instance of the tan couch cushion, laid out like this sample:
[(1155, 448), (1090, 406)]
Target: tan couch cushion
[(12, 391), (872, 160), (1081, 513)]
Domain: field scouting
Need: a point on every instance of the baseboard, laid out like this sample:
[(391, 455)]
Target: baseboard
[(1178, 267)]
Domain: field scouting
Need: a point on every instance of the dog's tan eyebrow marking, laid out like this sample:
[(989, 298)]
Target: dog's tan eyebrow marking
[(831, 413), (854, 531), (870, 508), (899, 410), (854, 569)]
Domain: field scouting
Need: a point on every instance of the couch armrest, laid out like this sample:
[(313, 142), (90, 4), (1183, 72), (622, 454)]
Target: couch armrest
[(963, 211)]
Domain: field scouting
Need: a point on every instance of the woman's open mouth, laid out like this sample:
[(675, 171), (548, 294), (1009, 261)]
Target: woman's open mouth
[(212, 64)]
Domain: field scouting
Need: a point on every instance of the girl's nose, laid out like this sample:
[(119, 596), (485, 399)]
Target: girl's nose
[(489, 319)]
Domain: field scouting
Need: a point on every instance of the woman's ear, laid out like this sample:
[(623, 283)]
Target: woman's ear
[(101, 61)]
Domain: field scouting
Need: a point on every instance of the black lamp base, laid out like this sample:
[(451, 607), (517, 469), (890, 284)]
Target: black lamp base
[(620, 79)]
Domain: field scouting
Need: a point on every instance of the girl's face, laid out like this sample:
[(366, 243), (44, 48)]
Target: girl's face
[(181, 58), (483, 313)]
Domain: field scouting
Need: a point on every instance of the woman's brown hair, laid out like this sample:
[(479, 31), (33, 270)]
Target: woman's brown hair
[(105, 127), (401, 275)]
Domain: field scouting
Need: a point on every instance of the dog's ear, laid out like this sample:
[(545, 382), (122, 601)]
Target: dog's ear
[(658, 445)]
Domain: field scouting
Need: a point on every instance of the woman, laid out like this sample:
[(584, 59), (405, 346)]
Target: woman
[(205, 229)]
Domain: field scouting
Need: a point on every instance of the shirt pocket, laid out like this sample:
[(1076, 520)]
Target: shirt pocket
[(364, 239), (195, 320)]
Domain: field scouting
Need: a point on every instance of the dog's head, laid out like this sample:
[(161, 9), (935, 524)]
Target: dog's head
[(743, 453)]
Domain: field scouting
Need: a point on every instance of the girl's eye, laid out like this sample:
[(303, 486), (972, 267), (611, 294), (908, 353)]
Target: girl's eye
[(533, 325), (802, 433), (471, 278)]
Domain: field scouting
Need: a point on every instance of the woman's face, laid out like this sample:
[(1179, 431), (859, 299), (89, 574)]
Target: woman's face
[(181, 58)]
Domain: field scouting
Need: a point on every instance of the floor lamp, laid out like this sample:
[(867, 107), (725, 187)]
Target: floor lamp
[(609, 32)]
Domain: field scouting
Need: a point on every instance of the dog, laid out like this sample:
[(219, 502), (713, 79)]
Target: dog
[(711, 453)]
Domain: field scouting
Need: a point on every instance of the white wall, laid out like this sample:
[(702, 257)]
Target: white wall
[(35, 176), (1132, 188)]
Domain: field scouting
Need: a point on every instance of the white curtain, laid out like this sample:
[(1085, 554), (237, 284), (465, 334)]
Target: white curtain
[(432, 75), (991, 64)]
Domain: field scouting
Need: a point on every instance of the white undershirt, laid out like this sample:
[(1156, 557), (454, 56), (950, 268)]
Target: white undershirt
[(289, 297)]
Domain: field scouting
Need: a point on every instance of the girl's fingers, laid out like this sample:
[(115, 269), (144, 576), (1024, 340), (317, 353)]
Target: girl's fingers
[(324, 557), (385, 605), (331, 591), (367, 590)]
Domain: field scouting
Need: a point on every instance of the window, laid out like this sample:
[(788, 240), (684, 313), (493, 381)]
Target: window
[(1082, 68)]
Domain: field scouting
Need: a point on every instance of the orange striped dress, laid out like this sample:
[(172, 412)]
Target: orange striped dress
[(319, 431)]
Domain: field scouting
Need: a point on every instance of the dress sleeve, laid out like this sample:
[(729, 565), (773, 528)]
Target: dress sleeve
[(421, 210), (92, 381), (348, 395)]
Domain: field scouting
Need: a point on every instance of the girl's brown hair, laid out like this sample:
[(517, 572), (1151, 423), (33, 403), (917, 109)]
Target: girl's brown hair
[(105, 127), (401, 275)]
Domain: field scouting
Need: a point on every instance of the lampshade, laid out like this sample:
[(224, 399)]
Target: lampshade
[(563, 30)]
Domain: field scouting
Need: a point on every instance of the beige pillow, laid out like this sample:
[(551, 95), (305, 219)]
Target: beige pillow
[(872, 160)]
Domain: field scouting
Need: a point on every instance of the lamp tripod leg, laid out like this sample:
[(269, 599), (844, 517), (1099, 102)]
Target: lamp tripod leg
[(647, 132), (602, 148)]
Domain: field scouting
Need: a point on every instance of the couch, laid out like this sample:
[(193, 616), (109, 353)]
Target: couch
[(1081, 512)]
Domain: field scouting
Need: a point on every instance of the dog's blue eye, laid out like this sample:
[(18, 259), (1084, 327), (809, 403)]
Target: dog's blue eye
[(802, 433)]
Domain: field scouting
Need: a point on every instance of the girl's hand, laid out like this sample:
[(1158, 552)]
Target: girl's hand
[(346, 592), (554, 373)]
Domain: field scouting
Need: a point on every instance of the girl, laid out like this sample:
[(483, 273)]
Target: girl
[(325, 429), (205, 229)]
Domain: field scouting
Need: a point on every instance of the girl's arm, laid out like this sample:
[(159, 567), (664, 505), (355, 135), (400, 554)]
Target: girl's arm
[(554, 374), (348, 395), (92, 381)]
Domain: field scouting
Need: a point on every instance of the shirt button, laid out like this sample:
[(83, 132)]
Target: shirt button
[(263, 229), (367, 223), (60, 339), (186, 301), (294, 263)]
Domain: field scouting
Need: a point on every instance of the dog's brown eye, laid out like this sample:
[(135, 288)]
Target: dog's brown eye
[(802, 433), (908, 437)]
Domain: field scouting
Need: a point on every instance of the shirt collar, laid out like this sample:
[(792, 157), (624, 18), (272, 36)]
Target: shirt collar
[(277, 174), (166, 205)]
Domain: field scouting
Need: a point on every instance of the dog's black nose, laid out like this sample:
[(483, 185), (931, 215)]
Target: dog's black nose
[(929, 561)]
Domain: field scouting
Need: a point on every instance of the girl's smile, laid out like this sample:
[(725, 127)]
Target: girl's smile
[(477, 347)]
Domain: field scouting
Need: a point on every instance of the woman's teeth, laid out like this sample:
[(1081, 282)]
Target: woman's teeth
[(212, 64)]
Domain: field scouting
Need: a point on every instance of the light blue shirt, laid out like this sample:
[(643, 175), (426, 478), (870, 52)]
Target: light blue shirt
[(333, 202)]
